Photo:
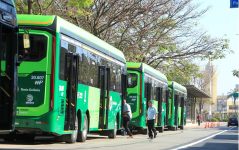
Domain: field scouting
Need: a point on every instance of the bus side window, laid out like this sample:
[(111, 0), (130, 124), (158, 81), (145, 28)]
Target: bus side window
[(113, 77), (72, 48), (118, 78), (93, 73), (79, 51), (85, 66), (64, 47)]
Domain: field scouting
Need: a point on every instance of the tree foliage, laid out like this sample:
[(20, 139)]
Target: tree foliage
[(68, 9), (161, 33)]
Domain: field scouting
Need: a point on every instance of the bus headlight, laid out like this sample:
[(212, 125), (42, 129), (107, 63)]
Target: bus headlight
[(7, 17)]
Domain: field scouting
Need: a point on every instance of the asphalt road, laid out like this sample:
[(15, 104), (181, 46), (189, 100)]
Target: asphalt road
[(167, 140), (227, 139)]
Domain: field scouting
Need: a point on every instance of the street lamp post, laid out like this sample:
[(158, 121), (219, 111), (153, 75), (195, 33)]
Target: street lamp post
[(210, 85)]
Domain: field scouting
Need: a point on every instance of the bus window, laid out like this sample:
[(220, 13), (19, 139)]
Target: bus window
[(64, 47), (132, 80), (37, 49), (113, 77)]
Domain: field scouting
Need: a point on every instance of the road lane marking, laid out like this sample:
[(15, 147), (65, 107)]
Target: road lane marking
[(204, 139)]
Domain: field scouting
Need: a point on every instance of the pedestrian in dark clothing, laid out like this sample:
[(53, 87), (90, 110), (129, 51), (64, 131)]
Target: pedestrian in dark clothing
[(199, 120), (151, 116), (127, 115)]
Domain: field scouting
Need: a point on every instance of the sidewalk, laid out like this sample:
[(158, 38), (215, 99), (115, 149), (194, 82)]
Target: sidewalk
[(205, 125), (194, 125)]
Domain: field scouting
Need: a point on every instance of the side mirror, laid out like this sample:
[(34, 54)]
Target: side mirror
[(26, 41)]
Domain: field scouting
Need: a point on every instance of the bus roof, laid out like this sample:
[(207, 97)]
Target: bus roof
[(178, 87), (67, 28), (147, 69)]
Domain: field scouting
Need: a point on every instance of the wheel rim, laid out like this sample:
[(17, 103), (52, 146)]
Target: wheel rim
[(115, 129), (74, 135), (85, 128)]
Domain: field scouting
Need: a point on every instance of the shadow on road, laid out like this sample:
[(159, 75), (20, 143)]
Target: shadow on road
[(215, 146), (37, 141), (226, 137)]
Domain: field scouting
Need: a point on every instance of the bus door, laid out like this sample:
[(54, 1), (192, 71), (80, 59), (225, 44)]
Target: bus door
[(167, 107), (124, 85), (71, 76), (160, 102), (104, 84), (182, 111), (148, 93), (8, 77), (176, 99)]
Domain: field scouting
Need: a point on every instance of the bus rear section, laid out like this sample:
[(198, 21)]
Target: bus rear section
[(8, 58), (146, 84), (35, 72), (69, 81)]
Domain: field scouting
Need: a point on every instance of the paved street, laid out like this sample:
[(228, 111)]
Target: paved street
[(167, 140), (228, 140)]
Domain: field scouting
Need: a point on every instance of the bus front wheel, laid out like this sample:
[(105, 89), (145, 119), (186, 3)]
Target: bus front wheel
[(161, 129), (82, 135), (112, 133), (71, 138)]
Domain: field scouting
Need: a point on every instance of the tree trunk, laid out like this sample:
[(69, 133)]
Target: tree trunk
[(29, 6)]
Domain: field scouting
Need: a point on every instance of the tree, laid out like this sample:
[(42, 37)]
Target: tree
[(182, 72), (68, 9), (161, 33)]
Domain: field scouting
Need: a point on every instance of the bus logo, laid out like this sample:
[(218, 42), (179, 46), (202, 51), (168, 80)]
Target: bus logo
[(29, 99), (38, 82)]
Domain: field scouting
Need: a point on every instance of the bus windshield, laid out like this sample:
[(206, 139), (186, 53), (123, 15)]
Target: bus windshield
[(132, 80), (37, 49)]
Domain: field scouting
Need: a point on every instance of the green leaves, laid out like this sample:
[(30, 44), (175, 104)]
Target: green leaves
[(182, 72), (76, 7)]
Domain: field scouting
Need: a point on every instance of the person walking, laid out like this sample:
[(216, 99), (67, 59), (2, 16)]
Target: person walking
[(151, 116), (127, 116), (199, 119)]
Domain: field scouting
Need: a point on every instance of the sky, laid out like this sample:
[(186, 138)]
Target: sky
[(223, 21)]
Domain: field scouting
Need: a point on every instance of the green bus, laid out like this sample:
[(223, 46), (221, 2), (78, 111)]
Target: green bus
[(176, 110), (70, 82), (8, 67), (144, 84)]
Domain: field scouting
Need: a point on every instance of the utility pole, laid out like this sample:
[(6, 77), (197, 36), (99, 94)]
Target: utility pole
[(210, 86)]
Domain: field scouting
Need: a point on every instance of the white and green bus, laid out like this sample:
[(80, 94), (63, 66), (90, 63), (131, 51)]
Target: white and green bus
[(70, 82)]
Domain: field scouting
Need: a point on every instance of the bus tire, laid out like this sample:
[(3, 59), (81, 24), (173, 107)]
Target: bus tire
[(181, 127), (173, 128), (161, 129), (26, 138), (9, 139), (71, 138), (112, 133), (144, 131), (82, 135)]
